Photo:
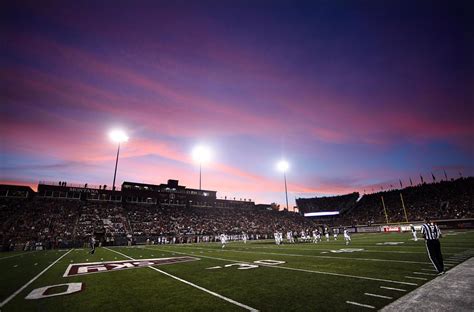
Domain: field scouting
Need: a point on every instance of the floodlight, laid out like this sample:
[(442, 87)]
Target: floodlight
[(283, 165), (202, 154), (118, 136)]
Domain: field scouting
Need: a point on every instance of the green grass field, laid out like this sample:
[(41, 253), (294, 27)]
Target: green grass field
[(311, 276)]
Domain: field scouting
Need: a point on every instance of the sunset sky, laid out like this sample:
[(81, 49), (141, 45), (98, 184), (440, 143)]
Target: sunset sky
[(354, 94)]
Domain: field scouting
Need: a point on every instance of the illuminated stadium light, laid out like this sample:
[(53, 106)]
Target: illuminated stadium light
[(283, 166), (118, 136), (321, 214), (202, 155)]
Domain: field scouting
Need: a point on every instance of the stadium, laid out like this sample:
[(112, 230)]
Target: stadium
[(236, 155), (47, 233)]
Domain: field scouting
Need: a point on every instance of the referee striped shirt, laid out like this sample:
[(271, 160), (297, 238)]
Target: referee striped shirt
[(431, 232)]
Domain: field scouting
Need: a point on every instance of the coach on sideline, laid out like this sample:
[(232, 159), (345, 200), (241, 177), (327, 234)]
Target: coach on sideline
[(431, 234)]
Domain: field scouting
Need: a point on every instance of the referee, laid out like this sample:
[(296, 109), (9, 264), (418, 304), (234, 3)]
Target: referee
[(431, 234)]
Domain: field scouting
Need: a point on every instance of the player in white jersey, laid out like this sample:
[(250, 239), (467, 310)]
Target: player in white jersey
[(303, 236), (289, 237), (347, 238), (315, 236), (92, 245), (335, 235), (223, 238), (413, 232), (244, 237)]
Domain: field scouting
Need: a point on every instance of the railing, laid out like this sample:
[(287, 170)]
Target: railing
[(89, 186)]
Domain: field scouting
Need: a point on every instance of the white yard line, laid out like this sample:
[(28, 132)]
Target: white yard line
[(360, 304), (430, 270), (311, 256), (4, 302), (417, 278), (378, 296), (300, 270), (191, 284), (391, 288)]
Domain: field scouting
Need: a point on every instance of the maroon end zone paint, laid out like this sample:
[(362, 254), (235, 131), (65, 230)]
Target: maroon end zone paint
[(108, 266)]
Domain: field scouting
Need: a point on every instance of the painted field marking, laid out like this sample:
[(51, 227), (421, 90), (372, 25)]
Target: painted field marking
[(417, 278), (309, 271), (15, 266), (4, 302), (430, 270), (391, 288), (323, 257), (191, 284), (360, 304), (422, 273), (378, 296), (12, 256), (365, 250)]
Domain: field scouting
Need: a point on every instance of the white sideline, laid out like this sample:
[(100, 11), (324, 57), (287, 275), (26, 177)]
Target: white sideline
[(4, 302), (191, 284), (360, 304), (301, 270)]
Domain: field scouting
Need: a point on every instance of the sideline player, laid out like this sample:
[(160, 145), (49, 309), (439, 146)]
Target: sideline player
[(347, 237), (413, 232), (431, 234), (92, 244)]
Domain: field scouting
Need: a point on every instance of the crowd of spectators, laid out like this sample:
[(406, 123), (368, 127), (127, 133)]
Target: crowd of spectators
[(333, 203), (40, 222), (71, 222), (442, 200)]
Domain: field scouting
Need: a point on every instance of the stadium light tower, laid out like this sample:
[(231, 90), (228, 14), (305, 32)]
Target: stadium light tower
[(283, 166), (202, 155), (117, 136)]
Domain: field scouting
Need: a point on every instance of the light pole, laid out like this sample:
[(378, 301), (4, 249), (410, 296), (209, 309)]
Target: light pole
[(202, 155), (283, 167), (117, 136)]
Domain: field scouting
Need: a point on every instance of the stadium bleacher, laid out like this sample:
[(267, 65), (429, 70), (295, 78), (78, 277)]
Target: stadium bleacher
[(29, 221)]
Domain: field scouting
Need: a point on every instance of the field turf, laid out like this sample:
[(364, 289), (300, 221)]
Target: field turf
[(328, 276)]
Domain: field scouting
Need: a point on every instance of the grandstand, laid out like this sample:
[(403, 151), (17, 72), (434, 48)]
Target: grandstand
[(64, 215), (442, 200)]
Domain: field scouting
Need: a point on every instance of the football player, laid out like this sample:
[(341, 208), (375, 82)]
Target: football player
[(92, 244), (223, 240), (347, 238)]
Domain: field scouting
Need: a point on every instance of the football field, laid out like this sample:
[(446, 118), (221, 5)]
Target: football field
[(373, 271)]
